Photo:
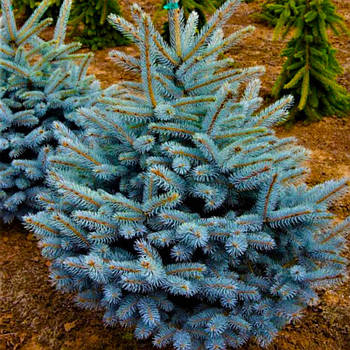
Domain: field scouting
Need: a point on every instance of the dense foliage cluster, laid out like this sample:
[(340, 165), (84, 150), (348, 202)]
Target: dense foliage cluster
[(271, 11), (311, 68), (40, 81), (26, 7), (92, 16), (180, 212)]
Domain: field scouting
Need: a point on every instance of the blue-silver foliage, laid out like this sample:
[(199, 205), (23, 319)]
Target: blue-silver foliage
[(180, 212), (40, 81)]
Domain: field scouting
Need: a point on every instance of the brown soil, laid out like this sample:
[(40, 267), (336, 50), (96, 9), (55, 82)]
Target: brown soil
[(33, 316)]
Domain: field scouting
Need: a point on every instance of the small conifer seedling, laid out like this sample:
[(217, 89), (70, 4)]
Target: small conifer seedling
[(41, 81), (180, 212)]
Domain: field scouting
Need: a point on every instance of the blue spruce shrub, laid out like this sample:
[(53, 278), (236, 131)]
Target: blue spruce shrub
[(180, 212), (40, 81)]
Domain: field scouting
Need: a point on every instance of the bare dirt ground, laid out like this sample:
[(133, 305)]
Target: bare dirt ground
[(33, 316)]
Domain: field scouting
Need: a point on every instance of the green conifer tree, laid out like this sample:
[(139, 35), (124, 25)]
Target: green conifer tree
[(311, 68), (97, 32)]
